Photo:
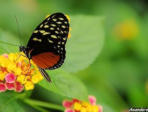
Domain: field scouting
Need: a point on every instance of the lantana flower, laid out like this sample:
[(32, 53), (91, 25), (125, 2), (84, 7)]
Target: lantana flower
[(76, 105), (17, 74)]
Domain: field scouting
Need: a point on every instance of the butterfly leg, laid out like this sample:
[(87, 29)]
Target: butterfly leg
[(29, 66), (44, 73)]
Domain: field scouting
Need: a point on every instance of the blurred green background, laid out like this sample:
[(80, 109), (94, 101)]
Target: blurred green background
[(117, 74)]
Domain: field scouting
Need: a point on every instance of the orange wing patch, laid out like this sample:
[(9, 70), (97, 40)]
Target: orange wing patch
[(46, 60)]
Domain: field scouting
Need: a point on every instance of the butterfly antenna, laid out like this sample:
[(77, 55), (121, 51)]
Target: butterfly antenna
[(18, 29)]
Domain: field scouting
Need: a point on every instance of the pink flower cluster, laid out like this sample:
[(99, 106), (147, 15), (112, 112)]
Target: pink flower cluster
[(10, 83), (81, 106)]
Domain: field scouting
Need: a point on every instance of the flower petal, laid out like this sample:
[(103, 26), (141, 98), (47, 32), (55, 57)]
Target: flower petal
[(10, 78), (75, 100), (77, 106), (19, 87), (2, 87), (68, 110), (5, 55), (67, 104), (92, 100), (100, 108), (29, 85), (10, 86)]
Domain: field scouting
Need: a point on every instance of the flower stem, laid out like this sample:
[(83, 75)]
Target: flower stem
[(43, 104), (38, 108)]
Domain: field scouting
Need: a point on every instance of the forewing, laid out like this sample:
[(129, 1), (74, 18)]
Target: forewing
[(50, 36)]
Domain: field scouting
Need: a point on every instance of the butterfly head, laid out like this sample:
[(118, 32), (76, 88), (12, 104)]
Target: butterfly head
[(24, 50)]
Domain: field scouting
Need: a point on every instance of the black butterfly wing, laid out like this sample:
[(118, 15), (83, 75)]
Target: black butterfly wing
[(50, 36)]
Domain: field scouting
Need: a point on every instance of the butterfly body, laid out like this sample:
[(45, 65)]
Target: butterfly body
[(46, 46)]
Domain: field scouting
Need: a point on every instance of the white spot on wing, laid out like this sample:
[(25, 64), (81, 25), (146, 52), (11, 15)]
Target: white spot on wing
[(65, 22), (50, 41), (46, 26), (61, 18), (64, 38), (54, 19), (59, 22), (45, 33), (36, 39), (56, 32), (51, 28), (63, 26), (36, 31), (41, 25), (42, 31), (53, 36), (53, 25)]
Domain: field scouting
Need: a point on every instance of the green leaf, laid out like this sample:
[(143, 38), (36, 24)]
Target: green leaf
[(9, 102), (86, 42), (2, 50), (8, 42), (65, 84)]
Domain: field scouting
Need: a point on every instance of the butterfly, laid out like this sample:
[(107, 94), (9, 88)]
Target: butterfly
[(46, 47)]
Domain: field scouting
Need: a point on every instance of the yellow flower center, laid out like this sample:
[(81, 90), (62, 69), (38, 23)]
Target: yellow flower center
[(85, 107), (77, 106)]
